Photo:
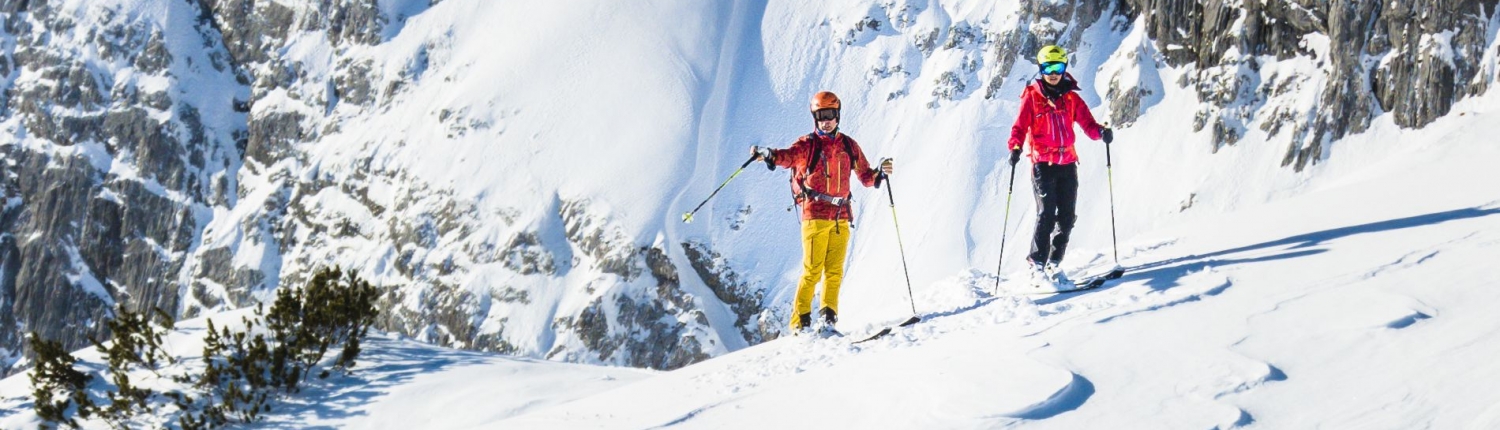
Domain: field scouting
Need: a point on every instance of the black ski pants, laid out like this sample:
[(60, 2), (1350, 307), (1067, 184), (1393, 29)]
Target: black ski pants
[(1056, 188)]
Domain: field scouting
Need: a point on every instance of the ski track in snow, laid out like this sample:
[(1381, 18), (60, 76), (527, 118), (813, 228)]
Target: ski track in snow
[(797, 355)]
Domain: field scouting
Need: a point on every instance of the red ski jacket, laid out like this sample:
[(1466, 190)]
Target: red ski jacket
[(1048, 123), (830, 177)]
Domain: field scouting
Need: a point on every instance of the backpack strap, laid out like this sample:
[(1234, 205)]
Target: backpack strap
[(817, 153), (848, 149), (800, 190)]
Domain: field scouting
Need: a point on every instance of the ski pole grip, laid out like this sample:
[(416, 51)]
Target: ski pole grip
[(880, 175), (888, 193), (1108, 162), (1107, 158)]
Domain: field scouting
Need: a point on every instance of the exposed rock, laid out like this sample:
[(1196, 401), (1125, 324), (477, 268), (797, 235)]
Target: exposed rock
[(251, 30), (965, 35), (862, 32), (1429, 53), (272, 136), (353, 83), (217, 265), (349, 21), (646, 330), (526, 255), (45, 280), (155, 58), (606, 244), (441, 314), (1041, 23), (948, 86), (744, 300)]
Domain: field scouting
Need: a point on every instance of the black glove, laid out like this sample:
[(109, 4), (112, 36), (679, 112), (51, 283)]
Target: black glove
[(880, 175), (1015, 156), (1108, 135), (765, 155)]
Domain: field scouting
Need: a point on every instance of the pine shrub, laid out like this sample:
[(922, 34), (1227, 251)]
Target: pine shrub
[(134, 343), (244, 370), (59, 389)]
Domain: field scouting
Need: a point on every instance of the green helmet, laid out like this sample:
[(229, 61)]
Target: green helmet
[(1051, 54)]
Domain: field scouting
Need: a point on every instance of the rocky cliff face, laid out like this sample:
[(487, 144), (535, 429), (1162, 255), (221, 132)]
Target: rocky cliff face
[(164, 154), (110, 166), (1412, 59)]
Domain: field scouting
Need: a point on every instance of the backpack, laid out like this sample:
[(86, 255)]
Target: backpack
[(799, 190)]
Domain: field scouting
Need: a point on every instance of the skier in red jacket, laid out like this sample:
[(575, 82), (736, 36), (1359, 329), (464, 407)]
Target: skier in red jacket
[(1049, 108), (822, 163)]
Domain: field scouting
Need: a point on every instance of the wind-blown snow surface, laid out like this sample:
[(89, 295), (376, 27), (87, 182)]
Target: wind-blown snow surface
[(1365, 302)]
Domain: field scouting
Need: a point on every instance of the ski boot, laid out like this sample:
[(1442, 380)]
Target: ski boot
[(829, 318), (1057, 277), (803, 324), (1039, 276)]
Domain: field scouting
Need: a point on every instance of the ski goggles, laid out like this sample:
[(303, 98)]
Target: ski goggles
[(825, 114), (1054, 68)]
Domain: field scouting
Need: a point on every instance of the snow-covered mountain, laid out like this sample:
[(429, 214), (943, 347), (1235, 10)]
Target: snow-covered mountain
[(1301, 190), (1366, 301), (512, 173)]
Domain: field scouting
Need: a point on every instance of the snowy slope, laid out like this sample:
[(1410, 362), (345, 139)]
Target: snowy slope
[(512, 186), (1346, 307), (400, 373), (516, 179), (1363, 302), (499, 153)]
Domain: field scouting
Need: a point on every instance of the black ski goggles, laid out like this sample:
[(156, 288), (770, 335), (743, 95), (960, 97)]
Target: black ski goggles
[(825, 114), (1054, 68)]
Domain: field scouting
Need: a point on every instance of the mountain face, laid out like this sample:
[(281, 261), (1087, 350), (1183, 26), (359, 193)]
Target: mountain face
[(1412, 60), (512, 174)]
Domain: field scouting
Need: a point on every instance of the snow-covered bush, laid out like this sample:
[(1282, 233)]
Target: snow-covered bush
[(244, 372), (244, 369), (58, 388)]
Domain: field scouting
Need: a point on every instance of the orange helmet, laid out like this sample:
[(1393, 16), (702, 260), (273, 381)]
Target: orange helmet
[(825, 100)]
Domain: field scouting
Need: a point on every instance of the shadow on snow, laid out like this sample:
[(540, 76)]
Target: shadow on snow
[(1165, 274), (396, 363)]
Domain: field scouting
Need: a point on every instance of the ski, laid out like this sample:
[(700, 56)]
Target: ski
[(820, 332), (828, 331), (1099, 280), (885, 331), (1092, 282)]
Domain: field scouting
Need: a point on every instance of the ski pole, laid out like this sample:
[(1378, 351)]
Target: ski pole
[(1009, 190), (892, 196), (688, 217), (1109, 173)]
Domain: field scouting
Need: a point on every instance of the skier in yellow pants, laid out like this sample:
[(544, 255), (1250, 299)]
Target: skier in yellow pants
[(824, 244), (821, 164)]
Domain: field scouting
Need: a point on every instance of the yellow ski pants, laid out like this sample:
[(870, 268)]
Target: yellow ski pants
[(824, 244)]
